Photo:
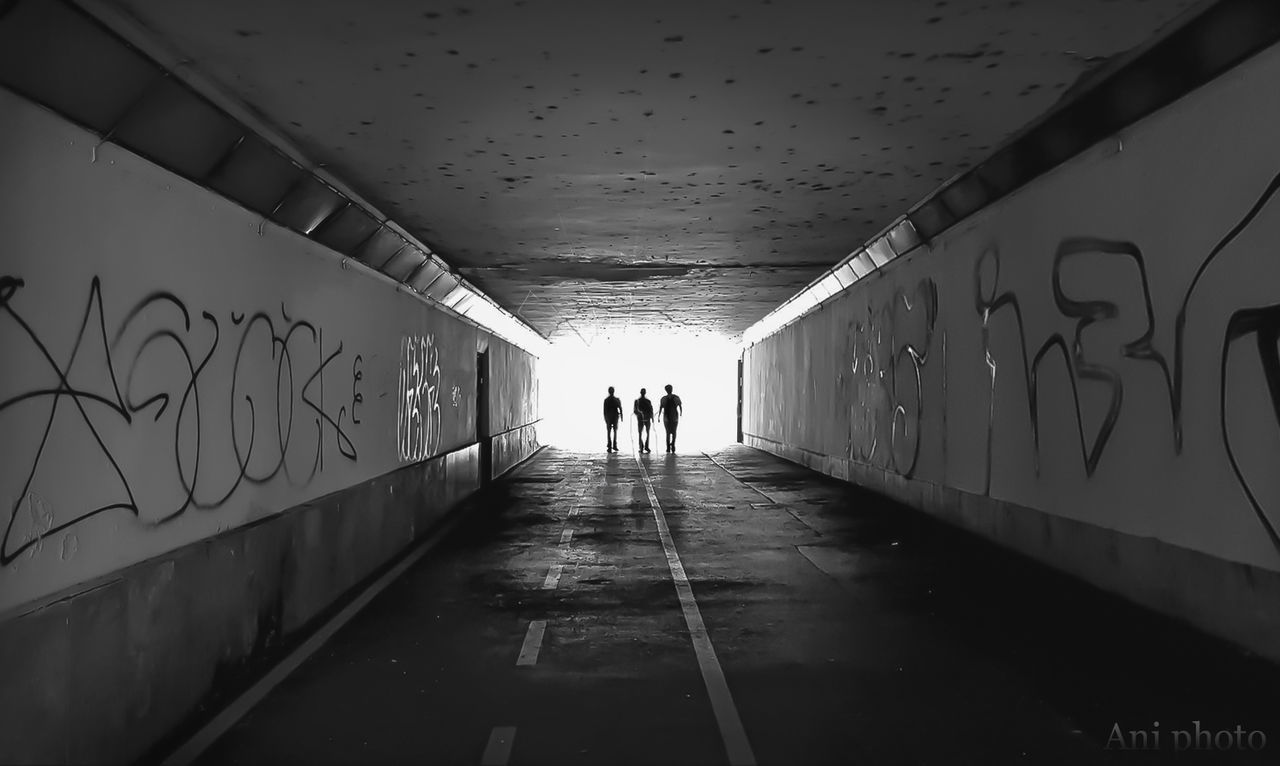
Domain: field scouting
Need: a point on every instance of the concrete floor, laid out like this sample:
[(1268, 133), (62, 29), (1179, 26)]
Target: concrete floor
[(849, 630)]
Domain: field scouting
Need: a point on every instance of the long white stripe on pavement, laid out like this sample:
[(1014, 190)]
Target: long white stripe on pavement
[(731, 731)]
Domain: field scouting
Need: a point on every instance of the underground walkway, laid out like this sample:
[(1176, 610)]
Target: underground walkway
[(546, 630)]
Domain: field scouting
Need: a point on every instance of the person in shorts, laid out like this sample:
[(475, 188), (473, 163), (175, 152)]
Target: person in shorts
[(643, 410), (671, 409)]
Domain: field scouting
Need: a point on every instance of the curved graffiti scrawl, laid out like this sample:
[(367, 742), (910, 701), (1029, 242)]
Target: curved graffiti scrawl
[(868, 392), (991, 304), (1259, 323), (418, 409), (225, 412), (915, 315), (890, 350), (1082, 369)]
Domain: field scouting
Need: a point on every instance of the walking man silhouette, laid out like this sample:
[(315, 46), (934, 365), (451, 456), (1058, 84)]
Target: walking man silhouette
[(612, 414), (643, 410), (671, 408)]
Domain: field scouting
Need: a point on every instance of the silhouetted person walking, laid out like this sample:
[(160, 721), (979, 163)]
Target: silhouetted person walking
[(643, 410), (612, 414), (671, 409)]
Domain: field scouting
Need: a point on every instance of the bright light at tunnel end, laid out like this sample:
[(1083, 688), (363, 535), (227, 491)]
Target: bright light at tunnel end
[(575, 376)]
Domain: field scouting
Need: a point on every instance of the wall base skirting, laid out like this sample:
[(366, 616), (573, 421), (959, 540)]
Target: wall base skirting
[(1233, 601), (109, 670), (512, 447)]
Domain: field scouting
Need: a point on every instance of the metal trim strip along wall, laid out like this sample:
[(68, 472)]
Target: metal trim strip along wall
[(29, 31), (1208, 42)]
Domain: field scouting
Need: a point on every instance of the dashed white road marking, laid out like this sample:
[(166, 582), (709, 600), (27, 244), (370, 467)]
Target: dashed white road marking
[(566, 535), (553, 577), (735, 737), (532, 643), (582, 491), (498, 751)]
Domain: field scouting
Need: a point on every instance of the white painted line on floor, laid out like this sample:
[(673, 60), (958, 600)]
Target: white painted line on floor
[(740, 481), (553, 577), (498, 751), (532, 643), (731, 731), (192, 749), (577, 500)]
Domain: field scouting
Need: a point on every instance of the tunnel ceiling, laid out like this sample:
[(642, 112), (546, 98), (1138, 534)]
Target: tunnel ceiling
[(661, 165)]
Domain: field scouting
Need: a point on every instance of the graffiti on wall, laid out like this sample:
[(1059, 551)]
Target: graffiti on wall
[(418, 408), (228, 401), (357, 396), (1259, 323), (1091, 334), (891, 346), (996, 305)]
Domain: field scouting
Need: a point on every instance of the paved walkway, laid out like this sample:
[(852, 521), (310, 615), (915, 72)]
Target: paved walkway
[(552, 629)]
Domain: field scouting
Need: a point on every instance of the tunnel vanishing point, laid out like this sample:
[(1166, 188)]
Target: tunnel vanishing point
[(276, 278)]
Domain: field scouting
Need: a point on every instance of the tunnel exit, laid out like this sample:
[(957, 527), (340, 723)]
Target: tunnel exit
[(307, 321), (702, 369)]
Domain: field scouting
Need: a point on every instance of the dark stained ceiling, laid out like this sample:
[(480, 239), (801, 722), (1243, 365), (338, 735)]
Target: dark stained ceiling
[(665, 165)]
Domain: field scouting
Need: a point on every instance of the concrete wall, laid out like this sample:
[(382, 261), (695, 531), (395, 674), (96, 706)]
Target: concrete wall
[(513, 397), (212, 428), (1087, 370), (513, 405)]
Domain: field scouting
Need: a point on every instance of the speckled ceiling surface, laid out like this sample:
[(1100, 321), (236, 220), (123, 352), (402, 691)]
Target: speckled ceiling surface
[(668, 164)]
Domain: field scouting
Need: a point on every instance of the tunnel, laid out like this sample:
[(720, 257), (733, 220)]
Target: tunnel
[(588, 382)]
